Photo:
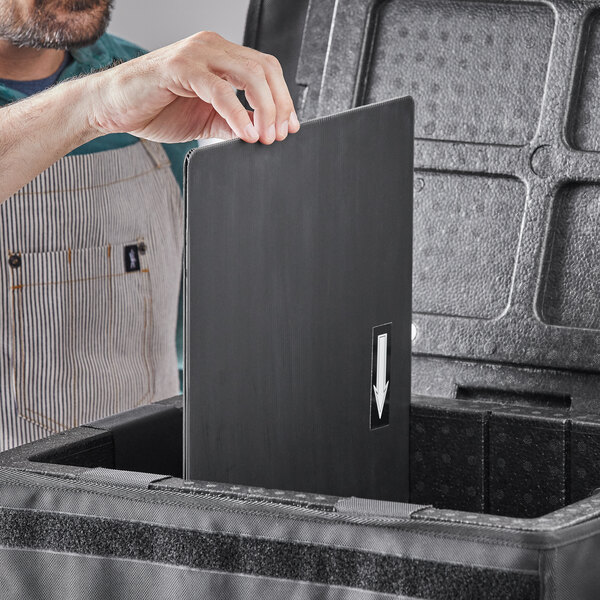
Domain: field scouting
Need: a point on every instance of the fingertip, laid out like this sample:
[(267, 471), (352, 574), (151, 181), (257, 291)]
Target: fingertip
[(294, 123), (270, 136), (282, 131), (251, 134)]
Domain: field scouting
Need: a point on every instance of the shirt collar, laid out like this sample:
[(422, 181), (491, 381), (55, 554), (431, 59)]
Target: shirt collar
[(85, 60)]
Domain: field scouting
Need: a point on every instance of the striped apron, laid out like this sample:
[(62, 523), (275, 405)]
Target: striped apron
[(89, 279)]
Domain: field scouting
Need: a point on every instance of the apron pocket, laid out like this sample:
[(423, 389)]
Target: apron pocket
[(81, 330)]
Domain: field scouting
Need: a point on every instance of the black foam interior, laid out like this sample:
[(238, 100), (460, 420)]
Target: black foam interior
[(472, 455), (148, 440), (501, 458)]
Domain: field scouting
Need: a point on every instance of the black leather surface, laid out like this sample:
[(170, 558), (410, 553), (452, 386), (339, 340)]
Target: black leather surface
[(295, 253)]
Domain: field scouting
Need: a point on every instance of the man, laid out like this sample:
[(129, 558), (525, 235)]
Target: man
[(90, 206)]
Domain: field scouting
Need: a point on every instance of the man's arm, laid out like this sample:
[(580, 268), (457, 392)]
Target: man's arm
[(178, 93), (37, 131)]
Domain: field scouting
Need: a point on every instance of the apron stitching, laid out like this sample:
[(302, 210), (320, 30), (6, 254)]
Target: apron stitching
[(15, 348), (42, 417), (91, 187), (149, 148), (151, 372), (65, 281), (148, 334), (22, 352), (145, 346), (23, 416), (20, 390), (146, 349), (75, 406), (110, 340)]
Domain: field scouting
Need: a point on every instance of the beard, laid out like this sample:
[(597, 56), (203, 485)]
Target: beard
[(56, 24)]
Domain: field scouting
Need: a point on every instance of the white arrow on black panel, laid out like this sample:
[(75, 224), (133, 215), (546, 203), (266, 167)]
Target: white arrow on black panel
[(381, 387)]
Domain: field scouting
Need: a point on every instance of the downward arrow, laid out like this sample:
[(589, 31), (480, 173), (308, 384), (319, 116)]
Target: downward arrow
[(381, 387)]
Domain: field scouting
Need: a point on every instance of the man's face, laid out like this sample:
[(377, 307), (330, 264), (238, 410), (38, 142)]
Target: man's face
[(59, 24)]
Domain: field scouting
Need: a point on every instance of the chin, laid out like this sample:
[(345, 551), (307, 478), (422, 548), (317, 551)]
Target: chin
[(61, 24)]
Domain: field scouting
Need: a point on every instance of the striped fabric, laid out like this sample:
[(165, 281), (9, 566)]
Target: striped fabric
[(89, 274)]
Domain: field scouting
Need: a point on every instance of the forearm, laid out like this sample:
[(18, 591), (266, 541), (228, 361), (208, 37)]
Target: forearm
[(174, 94), (38, 131)]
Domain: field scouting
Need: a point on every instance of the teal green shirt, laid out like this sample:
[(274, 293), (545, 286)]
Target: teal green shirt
[(106, 51)]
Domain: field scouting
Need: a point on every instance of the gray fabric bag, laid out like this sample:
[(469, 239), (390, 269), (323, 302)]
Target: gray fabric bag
[(73, 525)]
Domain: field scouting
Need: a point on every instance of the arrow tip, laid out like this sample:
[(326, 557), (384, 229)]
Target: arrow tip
[(380, 398)]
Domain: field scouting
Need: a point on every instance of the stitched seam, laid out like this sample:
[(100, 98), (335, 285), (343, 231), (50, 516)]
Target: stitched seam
[(65, 281), (94, 187), (498, 527), (22, 352), (146, 342), (296, 540), (151, 371), (110, 340), (483, 539), (149, 147), (75, 407), (24, 416), (545, 585), (578, 538), (15, 350)]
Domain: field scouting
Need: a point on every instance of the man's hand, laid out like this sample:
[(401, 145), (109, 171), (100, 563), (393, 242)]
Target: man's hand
[(176, 94), (186, 91)]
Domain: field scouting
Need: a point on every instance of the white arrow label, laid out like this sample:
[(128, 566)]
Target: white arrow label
[(381, 387)]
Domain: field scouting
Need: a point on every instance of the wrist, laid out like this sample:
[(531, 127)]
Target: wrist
[(79, 106)]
